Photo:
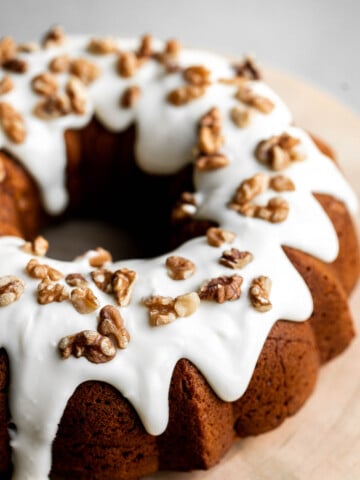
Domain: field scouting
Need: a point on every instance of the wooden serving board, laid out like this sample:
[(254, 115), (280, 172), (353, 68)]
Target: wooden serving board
[(322, 441)]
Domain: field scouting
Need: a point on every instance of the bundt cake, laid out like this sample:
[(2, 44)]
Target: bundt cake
[(113, 370)]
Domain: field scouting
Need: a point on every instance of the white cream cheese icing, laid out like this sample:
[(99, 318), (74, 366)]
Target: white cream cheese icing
[(223, 341)]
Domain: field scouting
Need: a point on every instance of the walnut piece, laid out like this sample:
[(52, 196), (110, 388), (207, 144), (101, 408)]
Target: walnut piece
[(86, 70), (39, 246), (15, 65), (197, 75), (60, 64), (77, 95), (183, 95), (280, 183), (6, 85), (55, 37), (250, 98), (247, 69), (207, 163), (122, 285), (35, 269), (210, 138), (127, 64), (102, 46), (164, 310), (76, 280), (179, 268), (217, 236), (95, 347), (221, 289), (28, 47), (11, 289), (111, 324), (278, 152), (12, 123), (241, 116), (101, 257), (184, 208), (45, 84), (49, 292), (7, 49), (103, 279), (251, 187), (145, 49), (84, 300), (130, 96), (234, 258), (53, 106), (259, 293)]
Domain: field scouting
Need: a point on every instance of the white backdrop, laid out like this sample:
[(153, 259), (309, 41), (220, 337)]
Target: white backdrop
[(317, 40)]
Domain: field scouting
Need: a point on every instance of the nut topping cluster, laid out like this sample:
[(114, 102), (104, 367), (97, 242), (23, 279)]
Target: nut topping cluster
[(12, 123), (164, 310), (277, 208), (198, 79), (278, 152)]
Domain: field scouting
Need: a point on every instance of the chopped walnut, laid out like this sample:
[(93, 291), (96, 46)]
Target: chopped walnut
[(221, 289), (161, 310), (101, 257), (84, 300), (247, 69), (128, 64), (35, 269), (186, 304), (28, 47), (217, 236), (15, 65), (77, 95), (184, 208), (183, 95), (76, 280), (7, 49), (145, 49), (240, 116), (103, 279), (95, 347), (130, 96), (259, 293), (60, 64), (49, 292), (53, 106), (251, 187), (278, 152), (211, 162), (45, 84), (164, 310), (179, 268), (111, 324), (276, 210), (247, 96), (234, 258), (55, 37), (197, 75), (169, 55), (6, 85), (86, 70), (122, 284), (12, 123), (39, 246), (210, 140), (280, 183), (11, 289), (102, 46)]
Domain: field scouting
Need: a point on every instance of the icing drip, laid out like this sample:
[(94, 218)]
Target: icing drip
[(41, 382)]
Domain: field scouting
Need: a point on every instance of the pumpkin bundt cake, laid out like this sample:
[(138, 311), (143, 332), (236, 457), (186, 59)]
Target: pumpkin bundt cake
[(114, 370)]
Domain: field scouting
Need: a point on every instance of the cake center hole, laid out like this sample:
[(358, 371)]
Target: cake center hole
[(73, 237)]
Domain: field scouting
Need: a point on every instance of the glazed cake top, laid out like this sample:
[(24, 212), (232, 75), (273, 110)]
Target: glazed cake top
[(214, 299)]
